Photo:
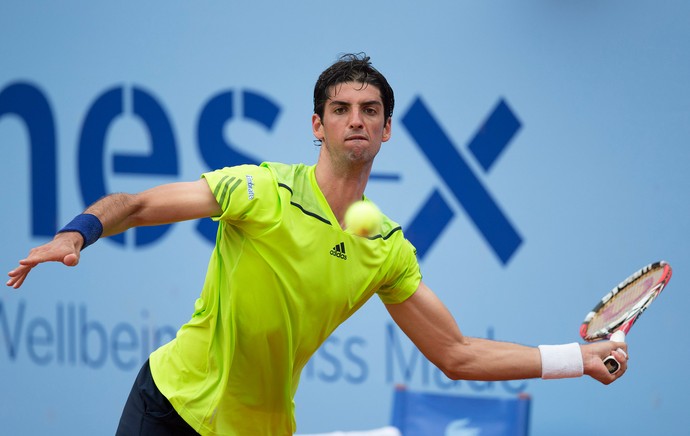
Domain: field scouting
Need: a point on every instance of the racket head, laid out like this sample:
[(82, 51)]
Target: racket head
[(623, 305)]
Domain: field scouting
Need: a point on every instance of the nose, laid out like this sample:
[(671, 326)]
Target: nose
[(356, 120)]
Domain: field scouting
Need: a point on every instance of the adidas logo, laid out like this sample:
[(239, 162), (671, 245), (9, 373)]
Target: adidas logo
[(339, 251)]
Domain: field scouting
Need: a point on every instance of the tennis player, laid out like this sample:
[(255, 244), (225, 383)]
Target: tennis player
[(284, 274)]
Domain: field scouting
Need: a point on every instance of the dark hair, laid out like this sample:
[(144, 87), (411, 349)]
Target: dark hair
[(352, 68)]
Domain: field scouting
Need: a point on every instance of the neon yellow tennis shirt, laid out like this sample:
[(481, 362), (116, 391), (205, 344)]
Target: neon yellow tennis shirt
[(283, 275)]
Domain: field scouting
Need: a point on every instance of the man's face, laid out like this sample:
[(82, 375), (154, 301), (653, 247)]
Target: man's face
[(353, 125)]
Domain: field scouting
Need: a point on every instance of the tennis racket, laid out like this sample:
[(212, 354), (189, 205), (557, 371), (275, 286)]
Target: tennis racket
[(613, 316)]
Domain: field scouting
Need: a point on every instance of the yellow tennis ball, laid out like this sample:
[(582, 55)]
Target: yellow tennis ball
[(363, 218)]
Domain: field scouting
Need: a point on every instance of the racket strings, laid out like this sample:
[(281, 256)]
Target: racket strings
[(619, 307)]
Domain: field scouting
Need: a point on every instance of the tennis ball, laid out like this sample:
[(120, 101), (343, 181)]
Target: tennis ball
[(363, 218)]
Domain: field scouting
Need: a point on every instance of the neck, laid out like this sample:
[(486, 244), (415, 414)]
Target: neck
[(341, 187)]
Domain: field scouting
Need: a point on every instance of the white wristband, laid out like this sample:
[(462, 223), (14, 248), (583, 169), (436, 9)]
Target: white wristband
[(561, 361)]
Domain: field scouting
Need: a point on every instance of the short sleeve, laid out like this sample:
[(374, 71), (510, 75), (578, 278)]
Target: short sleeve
[(404, 277), (247, 194)]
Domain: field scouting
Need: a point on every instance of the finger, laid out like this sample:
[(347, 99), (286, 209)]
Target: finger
[(622, 359), (22, 269), (620, 354), (20, 282), (34, 258), (71, 259), (30, 262), (17, 280), (51, 252), (18, 275)]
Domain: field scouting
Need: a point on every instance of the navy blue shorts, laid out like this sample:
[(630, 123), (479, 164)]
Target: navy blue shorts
[(148, 413)]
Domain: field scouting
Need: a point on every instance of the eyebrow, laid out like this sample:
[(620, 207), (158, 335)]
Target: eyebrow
[(345, 103)]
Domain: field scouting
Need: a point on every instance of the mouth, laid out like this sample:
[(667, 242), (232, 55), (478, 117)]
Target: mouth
[(357, 138)]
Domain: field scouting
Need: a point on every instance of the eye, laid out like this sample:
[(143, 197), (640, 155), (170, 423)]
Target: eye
[(339, 110), (370, 111)]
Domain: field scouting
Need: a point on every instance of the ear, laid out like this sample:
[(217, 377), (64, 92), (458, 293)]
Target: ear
[(317, 127), (387, 130)]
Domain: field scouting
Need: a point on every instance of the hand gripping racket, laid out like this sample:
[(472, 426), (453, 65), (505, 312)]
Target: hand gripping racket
[(613, 316)]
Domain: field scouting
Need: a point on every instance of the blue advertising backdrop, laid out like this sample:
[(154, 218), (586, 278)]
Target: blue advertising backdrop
[(549, 138)]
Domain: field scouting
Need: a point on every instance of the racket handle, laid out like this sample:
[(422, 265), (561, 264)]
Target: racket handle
[(618, 336), (611, 363)]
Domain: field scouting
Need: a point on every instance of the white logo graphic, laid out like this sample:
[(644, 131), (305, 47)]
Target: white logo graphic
[(250, 186), (461, 427)]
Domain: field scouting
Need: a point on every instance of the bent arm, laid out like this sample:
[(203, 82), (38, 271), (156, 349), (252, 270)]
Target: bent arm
[(163, 204), (431, 327), (118, 212)]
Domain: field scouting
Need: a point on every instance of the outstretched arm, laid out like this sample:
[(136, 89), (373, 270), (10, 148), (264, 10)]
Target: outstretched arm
[(431, 327), (118, 212)]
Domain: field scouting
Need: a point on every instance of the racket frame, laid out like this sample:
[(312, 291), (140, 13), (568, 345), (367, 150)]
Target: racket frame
[(625, 322)]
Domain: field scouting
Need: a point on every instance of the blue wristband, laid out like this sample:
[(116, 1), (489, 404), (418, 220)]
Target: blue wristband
[(87, 225)]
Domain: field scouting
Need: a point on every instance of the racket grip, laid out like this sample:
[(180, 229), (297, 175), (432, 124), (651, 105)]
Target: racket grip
[(611, 363), (618, 336)]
